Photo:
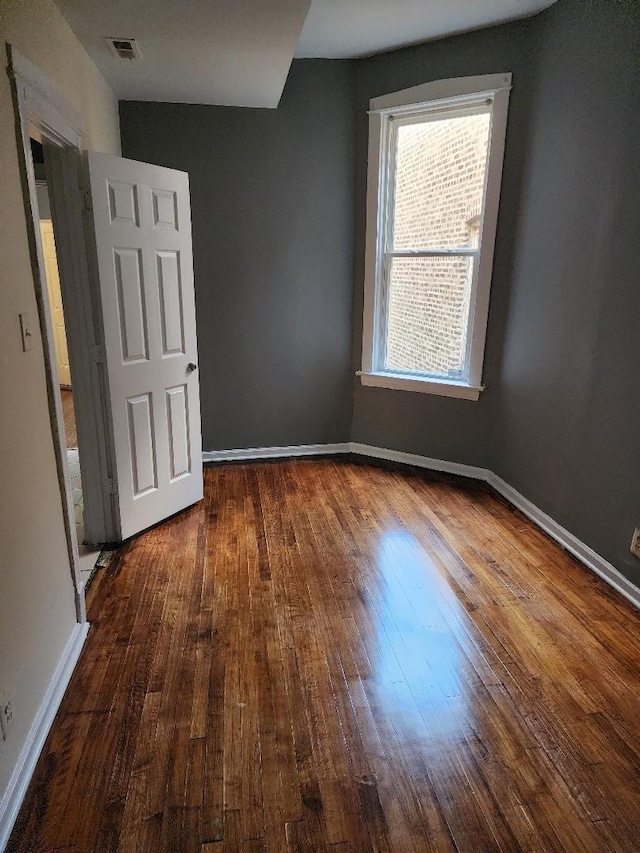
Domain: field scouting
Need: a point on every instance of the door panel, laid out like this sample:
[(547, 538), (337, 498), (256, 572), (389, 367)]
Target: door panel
[(178, 420), (142, 224), (171, 312), (131, 308), (142, 443), (165, 209), (123, 203)]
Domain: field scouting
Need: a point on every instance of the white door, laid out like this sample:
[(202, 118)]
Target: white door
[(142, 222), (55, 301)]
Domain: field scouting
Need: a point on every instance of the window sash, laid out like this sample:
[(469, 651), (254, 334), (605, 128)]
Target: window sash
[(380, 363), (428, 113), (432, 253)]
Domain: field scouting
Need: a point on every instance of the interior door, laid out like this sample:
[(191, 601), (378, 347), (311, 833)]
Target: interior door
[(55, 301), (142, 221)]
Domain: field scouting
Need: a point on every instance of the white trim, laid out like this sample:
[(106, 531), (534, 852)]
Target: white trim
[(582, 552), (436, 90), (83, 319), (442, 387), (375, 206), (248, 453), (45, 102), (23, 770), (471, 471), (479, 310), (439, 94)]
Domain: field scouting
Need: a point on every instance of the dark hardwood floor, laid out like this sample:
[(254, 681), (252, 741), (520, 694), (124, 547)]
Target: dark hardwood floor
[(327, 655), (69, 417)]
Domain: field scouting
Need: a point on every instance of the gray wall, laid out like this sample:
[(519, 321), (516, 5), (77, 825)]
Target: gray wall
[(568, 397), (276, 217), (272, 202)]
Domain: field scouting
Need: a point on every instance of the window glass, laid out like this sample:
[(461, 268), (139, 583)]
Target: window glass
[(439, 179), (428, 311)]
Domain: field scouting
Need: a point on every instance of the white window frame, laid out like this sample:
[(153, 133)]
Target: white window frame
[(440, 94)]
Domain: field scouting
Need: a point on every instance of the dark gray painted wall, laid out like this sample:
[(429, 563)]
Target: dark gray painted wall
[(274, 224), (560, 419), (272, 204), (568, 397)]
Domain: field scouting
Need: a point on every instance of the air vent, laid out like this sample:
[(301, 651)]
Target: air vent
[(124, 48)]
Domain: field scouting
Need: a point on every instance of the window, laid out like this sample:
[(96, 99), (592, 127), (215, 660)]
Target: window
[(435, 166)]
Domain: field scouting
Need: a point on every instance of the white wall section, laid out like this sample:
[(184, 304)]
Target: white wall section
[(37, 609)]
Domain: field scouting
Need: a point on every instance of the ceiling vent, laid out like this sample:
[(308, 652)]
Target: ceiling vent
[(124, 48)]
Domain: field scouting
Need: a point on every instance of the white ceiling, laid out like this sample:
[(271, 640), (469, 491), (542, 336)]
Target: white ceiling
[(238, 52), (230, 52), (351, 28)]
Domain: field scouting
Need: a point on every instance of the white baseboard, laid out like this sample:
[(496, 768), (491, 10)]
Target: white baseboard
[(562, 536), (403, 458), (247, 453), (21, 776)]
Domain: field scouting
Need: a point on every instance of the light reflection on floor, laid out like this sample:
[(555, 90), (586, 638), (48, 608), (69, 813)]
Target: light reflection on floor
[(417, 663)]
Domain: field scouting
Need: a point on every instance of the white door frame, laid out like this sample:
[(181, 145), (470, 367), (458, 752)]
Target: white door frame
[(41, 109)]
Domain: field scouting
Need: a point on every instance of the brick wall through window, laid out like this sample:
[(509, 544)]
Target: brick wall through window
[(439, 184)]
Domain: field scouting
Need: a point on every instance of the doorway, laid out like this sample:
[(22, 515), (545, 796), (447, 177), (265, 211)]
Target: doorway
[(88, 552), (121, 233)]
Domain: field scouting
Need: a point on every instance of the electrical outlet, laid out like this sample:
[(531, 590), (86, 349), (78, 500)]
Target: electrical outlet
[(6, 713), (635, 543)]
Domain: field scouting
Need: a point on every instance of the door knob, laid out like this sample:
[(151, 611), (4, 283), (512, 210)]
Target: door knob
[(191, 366)]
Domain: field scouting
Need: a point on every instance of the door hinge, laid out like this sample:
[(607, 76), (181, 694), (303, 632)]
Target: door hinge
[(109, 485), (98, 353), (87, 206)]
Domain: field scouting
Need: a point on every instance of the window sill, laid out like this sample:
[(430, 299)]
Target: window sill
[(441, 387)]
